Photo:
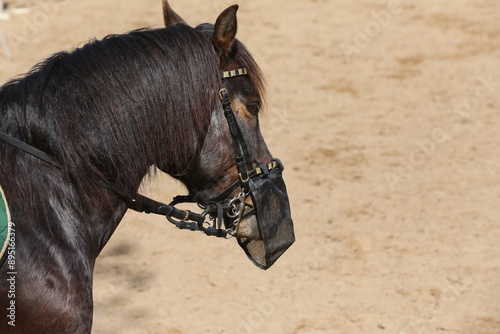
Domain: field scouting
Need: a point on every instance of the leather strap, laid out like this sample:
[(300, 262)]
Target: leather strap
[(27, 148)]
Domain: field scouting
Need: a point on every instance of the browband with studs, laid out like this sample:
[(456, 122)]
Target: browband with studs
[(234, 73)]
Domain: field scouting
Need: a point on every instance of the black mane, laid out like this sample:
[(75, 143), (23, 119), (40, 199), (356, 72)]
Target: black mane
[(106, 111)]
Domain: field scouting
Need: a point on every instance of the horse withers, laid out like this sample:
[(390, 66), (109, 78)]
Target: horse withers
[(81, 130)]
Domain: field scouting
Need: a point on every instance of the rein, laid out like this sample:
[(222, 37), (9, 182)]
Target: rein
[(232, 208), (27, 148)]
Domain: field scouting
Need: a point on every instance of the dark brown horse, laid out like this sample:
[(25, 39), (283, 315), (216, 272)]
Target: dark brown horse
[(183, 99)]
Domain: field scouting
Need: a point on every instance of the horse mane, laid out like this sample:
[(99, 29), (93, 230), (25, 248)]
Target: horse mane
[(106, 111)]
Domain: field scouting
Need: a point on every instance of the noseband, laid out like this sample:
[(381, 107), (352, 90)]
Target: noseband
[(233, 209)]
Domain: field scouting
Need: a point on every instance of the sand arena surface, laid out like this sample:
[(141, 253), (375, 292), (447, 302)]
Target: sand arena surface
[(386, 115)]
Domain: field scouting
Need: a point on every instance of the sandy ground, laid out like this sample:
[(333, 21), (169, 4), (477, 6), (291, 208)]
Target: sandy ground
[(386, 115)]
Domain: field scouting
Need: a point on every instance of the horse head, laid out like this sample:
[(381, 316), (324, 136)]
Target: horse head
[(234, 164)]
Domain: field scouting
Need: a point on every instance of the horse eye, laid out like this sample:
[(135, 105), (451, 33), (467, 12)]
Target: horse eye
[(253, 108)]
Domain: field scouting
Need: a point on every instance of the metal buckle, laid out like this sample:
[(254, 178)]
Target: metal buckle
[(245, 180), (223, 94), (237, 207)]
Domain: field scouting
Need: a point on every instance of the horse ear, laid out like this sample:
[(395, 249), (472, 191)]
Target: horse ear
[(225, 30), (169, 16)]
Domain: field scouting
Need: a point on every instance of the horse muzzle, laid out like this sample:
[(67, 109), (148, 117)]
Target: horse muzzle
[(266, 229)]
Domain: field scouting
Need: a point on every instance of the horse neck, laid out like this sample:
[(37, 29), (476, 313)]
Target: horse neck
[(111, 124)]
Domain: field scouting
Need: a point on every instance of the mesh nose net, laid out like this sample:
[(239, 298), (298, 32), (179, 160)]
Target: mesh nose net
[(272, 207)]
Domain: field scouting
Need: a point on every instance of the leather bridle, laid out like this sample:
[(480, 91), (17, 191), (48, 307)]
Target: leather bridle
[(222, 207)]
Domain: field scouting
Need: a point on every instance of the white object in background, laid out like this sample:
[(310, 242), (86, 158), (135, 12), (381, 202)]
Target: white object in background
[(5, 47), (4, 15)]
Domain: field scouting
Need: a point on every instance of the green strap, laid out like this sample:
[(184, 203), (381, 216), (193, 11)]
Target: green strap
[(4, 223)]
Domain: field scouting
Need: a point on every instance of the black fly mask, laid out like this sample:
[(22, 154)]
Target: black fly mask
[(262, 199)]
